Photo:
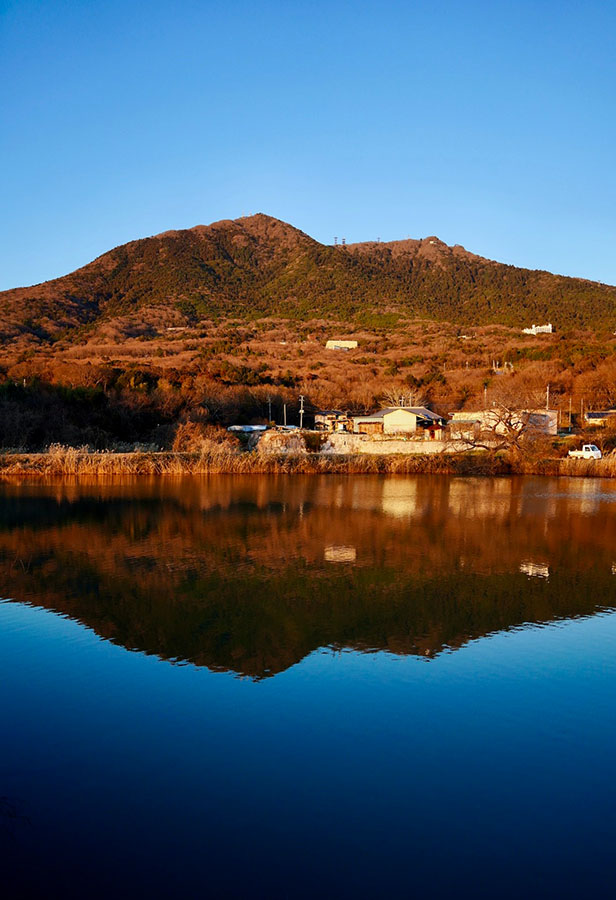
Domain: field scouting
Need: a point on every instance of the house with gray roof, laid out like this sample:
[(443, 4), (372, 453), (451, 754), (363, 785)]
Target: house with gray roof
[(400, 420)]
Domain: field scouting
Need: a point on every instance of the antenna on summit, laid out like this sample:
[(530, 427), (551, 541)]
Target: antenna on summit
[(335, 242), (344, 242)]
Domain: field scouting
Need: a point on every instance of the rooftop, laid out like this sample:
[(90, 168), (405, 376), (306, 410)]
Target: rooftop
[(420, 411)]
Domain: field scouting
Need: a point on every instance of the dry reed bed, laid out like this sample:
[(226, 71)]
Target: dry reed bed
[(69, 461)]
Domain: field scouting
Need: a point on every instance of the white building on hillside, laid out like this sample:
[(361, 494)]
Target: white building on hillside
[(539, 329), (340, 345)]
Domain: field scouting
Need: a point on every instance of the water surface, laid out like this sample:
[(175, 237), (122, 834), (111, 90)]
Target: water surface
[(270, 687)]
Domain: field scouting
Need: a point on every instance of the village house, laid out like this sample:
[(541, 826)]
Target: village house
[(332, 420), (469, 424), (401, 420), (600, 418)]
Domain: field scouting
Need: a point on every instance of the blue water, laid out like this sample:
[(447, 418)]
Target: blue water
[(484, 771)]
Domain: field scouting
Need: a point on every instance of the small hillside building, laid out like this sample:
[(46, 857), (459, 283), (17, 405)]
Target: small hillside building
[(341, 345), (539, 329)]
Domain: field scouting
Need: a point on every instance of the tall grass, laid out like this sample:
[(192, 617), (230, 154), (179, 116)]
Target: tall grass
[(221, 459)]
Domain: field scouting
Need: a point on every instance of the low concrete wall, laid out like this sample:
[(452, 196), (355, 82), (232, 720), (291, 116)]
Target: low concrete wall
[(339, 442), (277, 442), (364, 443), (407, 447)]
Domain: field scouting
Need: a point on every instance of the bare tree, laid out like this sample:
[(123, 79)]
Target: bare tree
[(403, 396), (512, 420)]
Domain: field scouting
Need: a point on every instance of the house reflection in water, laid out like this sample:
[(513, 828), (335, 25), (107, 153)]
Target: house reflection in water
[(535, 570), (400, 498), (493, 498), (251, 574), (340, 554)]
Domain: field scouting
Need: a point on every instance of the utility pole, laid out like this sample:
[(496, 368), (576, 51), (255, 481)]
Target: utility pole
[(269, 408), (569, 413), (485, 396), (285, 415), (301, 411), (547, 397)]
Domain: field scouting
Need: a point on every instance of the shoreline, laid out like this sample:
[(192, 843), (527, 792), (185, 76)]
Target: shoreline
[(73, 462)]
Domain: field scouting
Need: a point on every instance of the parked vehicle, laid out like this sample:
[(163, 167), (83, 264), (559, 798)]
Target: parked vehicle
[(588, 451)]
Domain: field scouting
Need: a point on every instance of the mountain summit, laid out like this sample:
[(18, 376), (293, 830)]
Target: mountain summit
[(260, 266)]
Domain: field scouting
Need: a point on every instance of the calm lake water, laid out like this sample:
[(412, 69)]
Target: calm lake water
[(301, 686)]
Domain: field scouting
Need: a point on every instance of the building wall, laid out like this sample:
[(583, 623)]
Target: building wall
[(540, 421), (374, 427), (544, 421), (366, 425), (400, 420)]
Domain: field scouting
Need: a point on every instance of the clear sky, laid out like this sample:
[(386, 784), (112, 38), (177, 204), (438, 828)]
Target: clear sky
[(490, 124)]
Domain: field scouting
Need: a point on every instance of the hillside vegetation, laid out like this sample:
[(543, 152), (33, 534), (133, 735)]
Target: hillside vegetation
[(260, 266), (163, 338)]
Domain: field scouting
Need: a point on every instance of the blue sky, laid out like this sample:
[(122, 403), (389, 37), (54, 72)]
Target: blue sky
[(489, 124)]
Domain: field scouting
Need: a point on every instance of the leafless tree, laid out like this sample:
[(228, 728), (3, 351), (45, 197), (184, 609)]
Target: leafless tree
[(512, 420), (403, 396)]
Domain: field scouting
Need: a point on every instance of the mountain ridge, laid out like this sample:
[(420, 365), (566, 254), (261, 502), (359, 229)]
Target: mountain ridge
[(260, 266)]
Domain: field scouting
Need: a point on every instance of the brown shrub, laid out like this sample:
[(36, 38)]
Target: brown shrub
[(195, 437)]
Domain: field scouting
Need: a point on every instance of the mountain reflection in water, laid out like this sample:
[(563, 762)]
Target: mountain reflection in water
[(251, 574)]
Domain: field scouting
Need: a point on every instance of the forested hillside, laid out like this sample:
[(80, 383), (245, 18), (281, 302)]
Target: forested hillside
[(260, 266), (163, 338)]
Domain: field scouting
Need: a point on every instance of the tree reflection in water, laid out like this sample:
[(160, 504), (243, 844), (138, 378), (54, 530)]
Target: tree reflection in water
[(251, 574)]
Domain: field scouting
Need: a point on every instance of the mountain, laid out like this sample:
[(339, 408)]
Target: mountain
[(105, 563), (259, 266)]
